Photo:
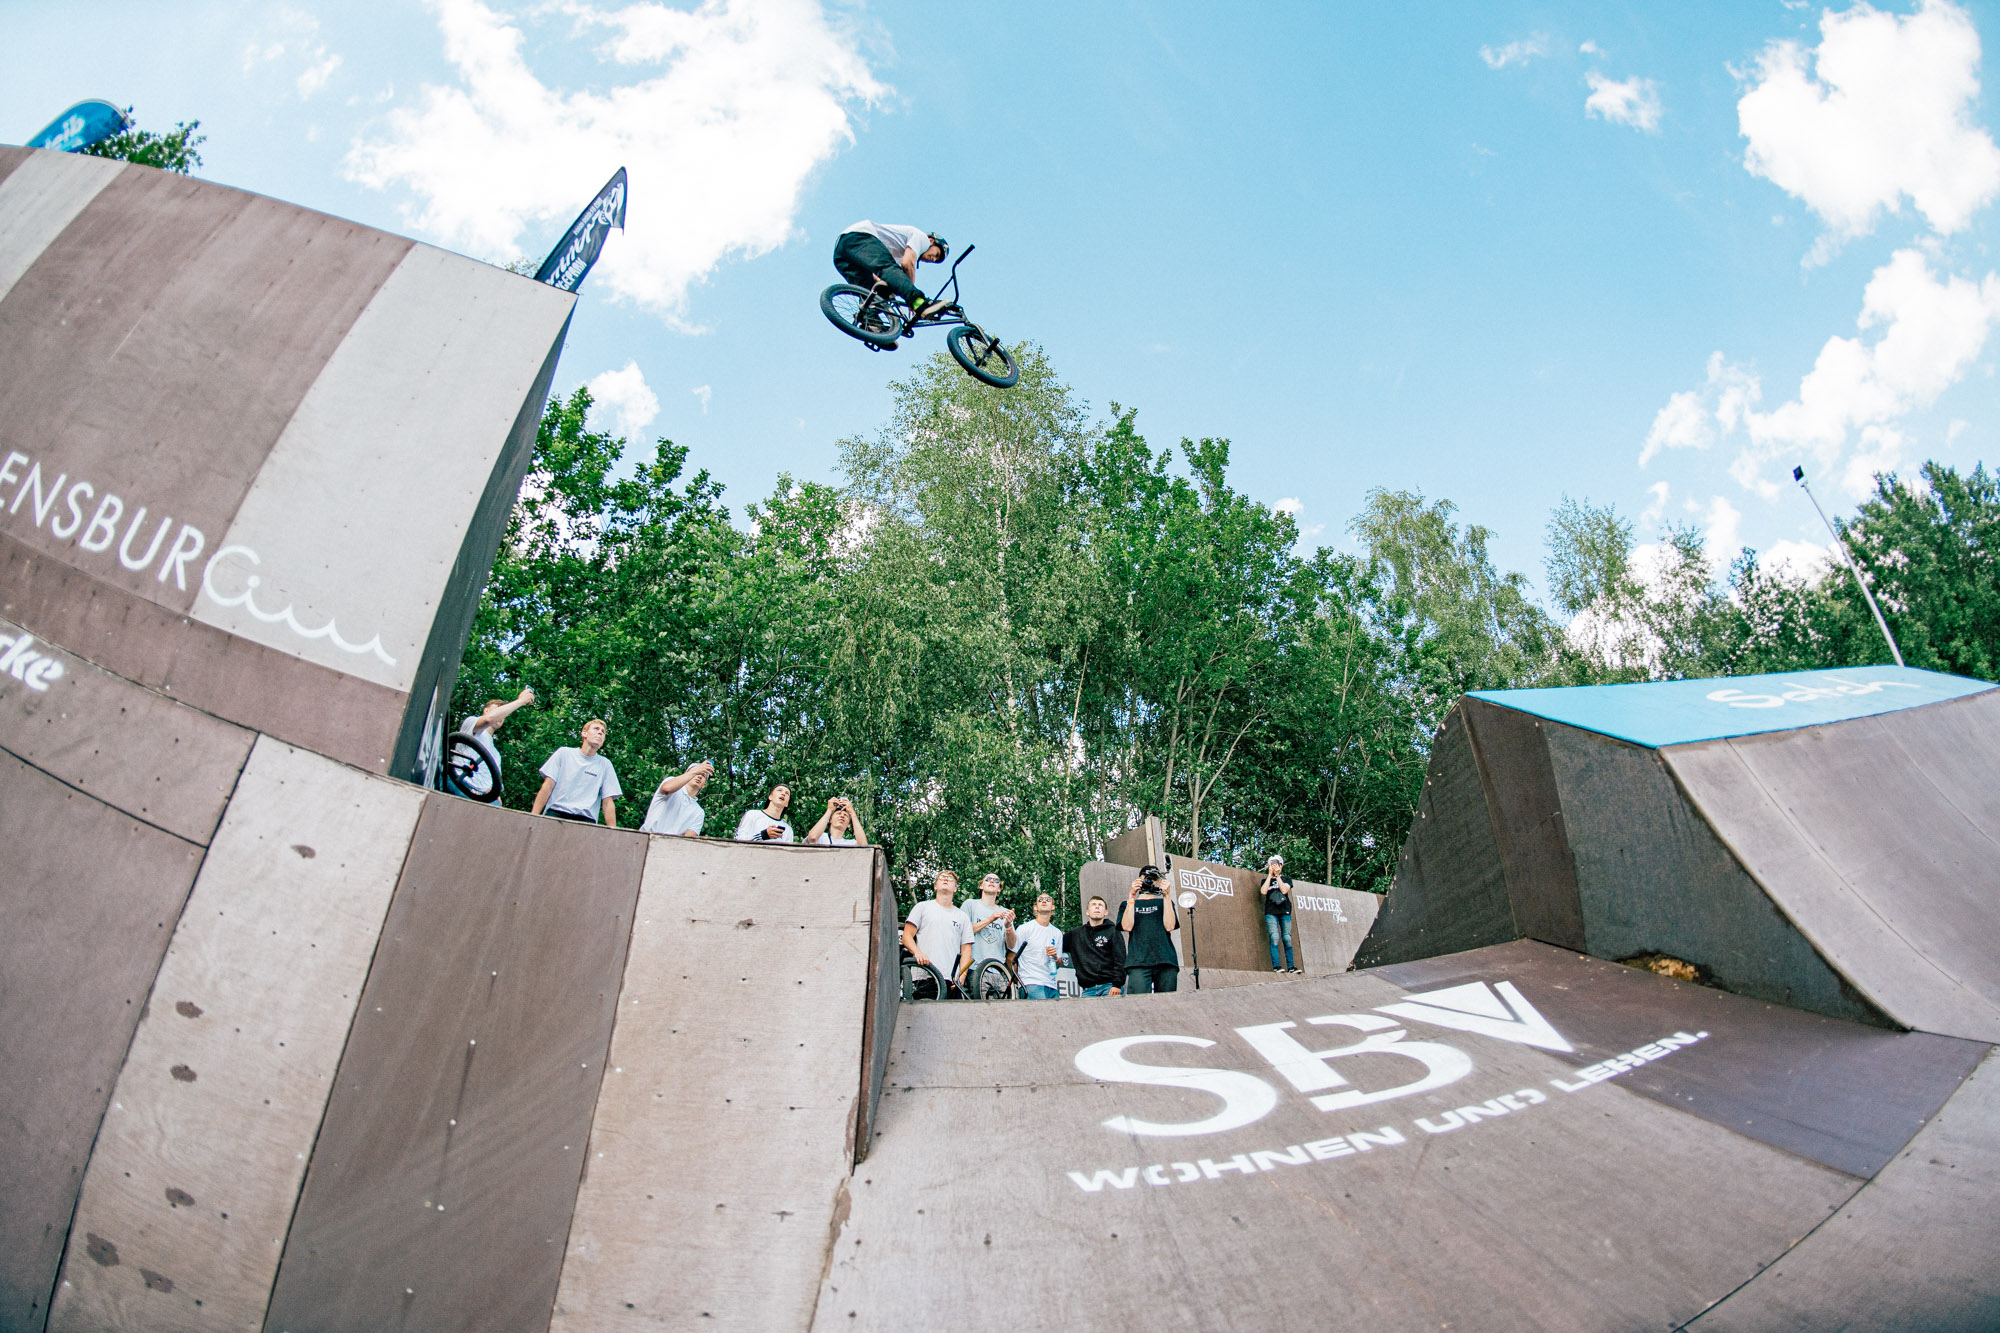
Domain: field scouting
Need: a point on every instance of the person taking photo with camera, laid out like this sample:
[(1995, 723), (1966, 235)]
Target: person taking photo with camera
[(840, 826), (1277, 891), (674, 812), (1148, 917)]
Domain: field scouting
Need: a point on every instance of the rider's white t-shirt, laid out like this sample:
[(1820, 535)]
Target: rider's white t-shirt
[(1037, 968), (897, 238)]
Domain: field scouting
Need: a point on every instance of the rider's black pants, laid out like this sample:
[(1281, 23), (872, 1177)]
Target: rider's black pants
[(862, 258)]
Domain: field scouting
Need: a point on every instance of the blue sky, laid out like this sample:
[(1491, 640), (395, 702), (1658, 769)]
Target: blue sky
[(1498, 253)]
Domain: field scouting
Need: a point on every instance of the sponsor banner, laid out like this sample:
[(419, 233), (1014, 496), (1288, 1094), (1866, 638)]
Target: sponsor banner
[(81, 126), (569, 263)]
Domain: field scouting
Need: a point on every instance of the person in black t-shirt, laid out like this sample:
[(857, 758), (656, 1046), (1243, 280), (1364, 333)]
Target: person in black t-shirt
[(1097, 948), (1277, 892), (1149, 918)]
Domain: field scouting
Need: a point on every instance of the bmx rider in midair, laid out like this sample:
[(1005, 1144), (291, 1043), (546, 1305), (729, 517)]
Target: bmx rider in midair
[(868, 251)]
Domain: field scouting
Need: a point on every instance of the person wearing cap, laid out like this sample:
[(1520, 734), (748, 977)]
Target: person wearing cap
[(888, 252), (1277, 891), (1149, 921)]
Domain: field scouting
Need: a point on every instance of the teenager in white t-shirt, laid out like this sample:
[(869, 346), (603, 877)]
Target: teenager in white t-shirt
[(768, 824), (938, 933), (578, 781), (840, 826), (1039, 946), (481, 726), (674, 811)]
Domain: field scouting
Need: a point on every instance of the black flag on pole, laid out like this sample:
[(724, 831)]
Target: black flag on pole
[(578, 249)]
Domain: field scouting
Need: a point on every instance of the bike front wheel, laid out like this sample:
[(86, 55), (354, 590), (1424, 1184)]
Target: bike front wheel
[(983, 357), (992, 981), (860, 313)]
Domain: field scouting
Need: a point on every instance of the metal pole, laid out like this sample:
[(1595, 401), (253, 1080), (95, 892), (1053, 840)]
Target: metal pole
[(1194, 945), (1799, 475)]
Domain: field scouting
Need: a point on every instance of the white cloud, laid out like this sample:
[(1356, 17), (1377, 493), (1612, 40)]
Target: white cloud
[(1795, 559), (1722, 525), (703, 392), (1590, 48), (1515, 53), (298, 38), (621, 401), (1881, 109), (1634, 101), (1289, 505), (1650, 518), (1697, 418), (1848, 416), (731, 107)]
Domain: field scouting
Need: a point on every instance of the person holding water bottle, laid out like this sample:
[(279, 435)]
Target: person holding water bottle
[(1039, 952)]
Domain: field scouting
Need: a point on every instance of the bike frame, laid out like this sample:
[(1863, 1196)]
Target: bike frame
[(947, 312)]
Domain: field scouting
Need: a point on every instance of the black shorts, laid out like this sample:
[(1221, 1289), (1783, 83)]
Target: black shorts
[(1151, 978)]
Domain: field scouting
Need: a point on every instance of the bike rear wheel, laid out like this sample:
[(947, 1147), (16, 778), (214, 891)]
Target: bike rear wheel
[(860, 313), (467, 771), (983, 357), (992, 981)]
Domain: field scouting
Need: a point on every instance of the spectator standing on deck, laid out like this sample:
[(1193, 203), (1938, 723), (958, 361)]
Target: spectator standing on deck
[(840, 826), (1149, 919), (938, 933), (578, 781), (1277, 891), (1097, 951), (768, 824), (991, 923), (481, 726), (1040, 951), (674, 811)]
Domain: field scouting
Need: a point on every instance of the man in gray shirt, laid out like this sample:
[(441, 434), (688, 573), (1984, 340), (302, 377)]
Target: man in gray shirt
[(577, 781)]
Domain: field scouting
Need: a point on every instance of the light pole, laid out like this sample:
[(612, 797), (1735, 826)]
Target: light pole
[(1187, 901), (1799, 475)]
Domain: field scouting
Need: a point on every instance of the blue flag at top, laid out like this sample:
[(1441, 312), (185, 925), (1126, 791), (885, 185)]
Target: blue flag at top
[(81, 126), (578, 249)]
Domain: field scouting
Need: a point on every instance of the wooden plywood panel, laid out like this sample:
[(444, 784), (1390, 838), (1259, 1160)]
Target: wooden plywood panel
[(1653, 877), (40, 194), (322, 710), (441, 1186), (738, 1043), (1228, 917), (1844, 1094), (1328, 925), (1549, 1216), (1451, 890), (88, 900), (1527, 817), (403, 423), (157, 347), (1813, 814), (197, 1167), (1915, 1249), (156, 760)]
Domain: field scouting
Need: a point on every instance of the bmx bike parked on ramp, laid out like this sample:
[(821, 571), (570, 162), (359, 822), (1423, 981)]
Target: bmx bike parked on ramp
[(878, 319)]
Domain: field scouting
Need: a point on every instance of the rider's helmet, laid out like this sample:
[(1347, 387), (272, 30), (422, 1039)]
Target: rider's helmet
[(944, 246)]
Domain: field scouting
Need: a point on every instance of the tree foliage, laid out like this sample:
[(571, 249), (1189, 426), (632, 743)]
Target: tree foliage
[(176, 150), (1013, 628)]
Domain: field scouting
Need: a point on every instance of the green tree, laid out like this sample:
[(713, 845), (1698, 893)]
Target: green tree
[(175, 150)]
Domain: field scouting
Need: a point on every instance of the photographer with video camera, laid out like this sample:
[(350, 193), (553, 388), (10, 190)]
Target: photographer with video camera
[(1148, 917)]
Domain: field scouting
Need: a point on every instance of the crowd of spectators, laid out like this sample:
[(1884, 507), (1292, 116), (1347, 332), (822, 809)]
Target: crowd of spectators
[(1129, 954)]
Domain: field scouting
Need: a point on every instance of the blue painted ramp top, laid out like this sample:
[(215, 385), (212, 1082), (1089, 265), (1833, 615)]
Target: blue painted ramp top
[(1675, 712)]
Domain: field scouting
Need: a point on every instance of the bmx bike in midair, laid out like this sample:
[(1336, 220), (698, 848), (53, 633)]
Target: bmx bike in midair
[(878, 319)]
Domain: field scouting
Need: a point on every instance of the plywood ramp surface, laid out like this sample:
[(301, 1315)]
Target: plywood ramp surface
[(1592, 1209), (1886, 864), (85, 918), (1919, 1247), (721, 1145), (196, 1171), (442, 1182), (155, 759)]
